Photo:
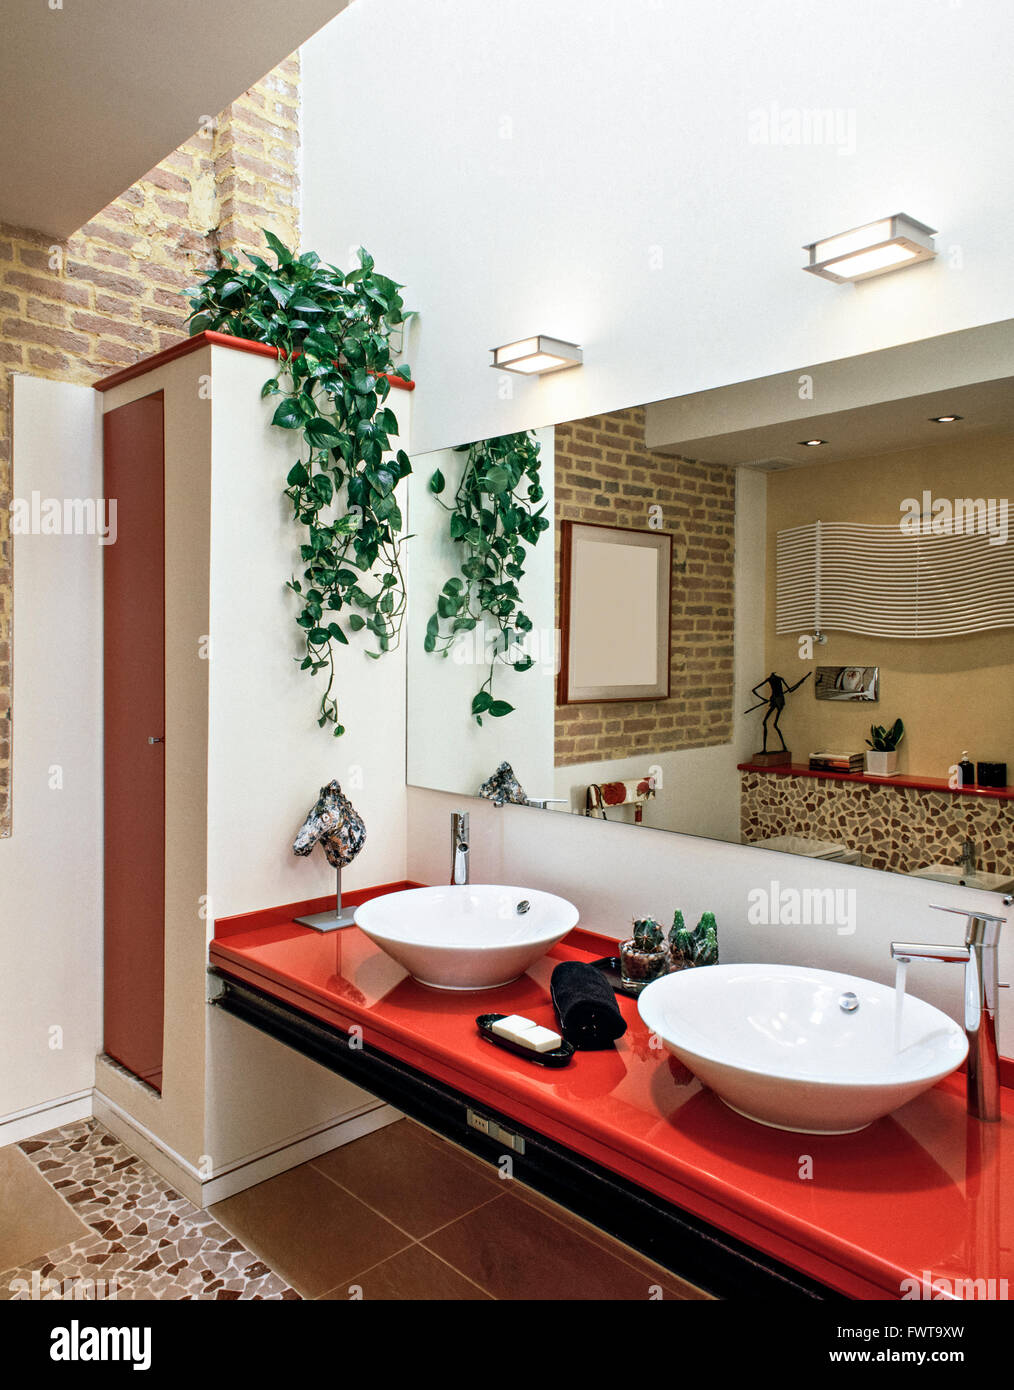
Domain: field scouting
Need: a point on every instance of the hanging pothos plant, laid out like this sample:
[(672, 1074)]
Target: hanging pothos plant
[(494, 515), (333, 335)]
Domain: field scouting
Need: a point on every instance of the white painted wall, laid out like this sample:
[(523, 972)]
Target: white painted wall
[(446, 748), (51, 866), (585, 169), (267, 761), (639, 870), (697, 789)]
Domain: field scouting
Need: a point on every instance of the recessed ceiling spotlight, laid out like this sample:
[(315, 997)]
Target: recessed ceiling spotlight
[(945, 419), (875, 249), (812, 443)]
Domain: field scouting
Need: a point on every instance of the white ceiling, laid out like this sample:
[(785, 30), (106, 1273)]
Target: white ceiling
[(96, 93), (874, 403)]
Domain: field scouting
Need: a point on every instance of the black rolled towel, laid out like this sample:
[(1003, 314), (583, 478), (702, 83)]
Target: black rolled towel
[(585, 1005)]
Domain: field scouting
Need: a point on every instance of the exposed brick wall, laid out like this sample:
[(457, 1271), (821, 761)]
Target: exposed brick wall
[(605, 474), (109, 295)]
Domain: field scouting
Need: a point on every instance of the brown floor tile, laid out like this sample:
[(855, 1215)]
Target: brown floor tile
[(414, 1275), (672, 1285), (448, 1146), (517, 1251), (33, 1217), (309, 1230), (401, 1174)]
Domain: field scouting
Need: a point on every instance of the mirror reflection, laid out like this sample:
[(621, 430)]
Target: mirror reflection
[(810, 651)]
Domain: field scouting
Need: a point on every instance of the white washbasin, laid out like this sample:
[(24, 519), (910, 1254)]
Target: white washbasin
[(470, 937), (773, 1043), (953, 873)]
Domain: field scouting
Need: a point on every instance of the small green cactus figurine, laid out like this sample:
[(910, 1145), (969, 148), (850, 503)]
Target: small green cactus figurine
[(680, 942), (705, 940), (647, 934)]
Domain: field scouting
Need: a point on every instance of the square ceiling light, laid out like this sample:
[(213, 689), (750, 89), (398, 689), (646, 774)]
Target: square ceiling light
[(875, 249), (536, 356)]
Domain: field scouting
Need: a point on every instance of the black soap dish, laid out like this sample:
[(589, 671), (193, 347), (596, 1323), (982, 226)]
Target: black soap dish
[(559, 1057)]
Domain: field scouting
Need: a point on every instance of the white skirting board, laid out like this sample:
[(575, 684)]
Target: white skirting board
[(202, 1189), (38, 1119)]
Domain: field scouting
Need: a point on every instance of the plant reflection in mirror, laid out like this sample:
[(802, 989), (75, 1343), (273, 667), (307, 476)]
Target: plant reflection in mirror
[(335, 360), (494, 516)]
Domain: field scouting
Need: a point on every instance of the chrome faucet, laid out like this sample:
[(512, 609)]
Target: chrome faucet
[(966, 860), (459, 847), (979, 957)]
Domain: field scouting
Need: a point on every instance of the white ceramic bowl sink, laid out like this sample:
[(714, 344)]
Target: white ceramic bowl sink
[(951, 873), (773, 1043), (470, 937)]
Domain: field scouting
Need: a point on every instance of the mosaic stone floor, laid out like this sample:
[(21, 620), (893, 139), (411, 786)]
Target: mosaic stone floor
[(144, 1235)]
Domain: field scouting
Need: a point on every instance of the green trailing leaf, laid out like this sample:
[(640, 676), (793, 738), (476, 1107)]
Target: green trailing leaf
[(492, 519), (289, 414), (332, 332)]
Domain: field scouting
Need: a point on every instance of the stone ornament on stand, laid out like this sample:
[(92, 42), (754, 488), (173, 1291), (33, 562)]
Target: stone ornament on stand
[(503, 788), (337, 826)]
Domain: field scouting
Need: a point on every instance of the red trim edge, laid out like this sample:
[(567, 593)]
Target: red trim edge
[(901, 779), (209, 338)]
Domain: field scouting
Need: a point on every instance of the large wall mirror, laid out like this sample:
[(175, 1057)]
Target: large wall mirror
[(605, 612)]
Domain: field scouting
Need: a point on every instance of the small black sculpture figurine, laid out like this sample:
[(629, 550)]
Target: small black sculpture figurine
[(775, 702)]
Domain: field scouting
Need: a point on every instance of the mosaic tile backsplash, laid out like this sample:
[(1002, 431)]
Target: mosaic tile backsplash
[(897, 828)]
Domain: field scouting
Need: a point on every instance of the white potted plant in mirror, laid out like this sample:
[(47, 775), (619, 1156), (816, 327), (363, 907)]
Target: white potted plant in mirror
[(882, 755)]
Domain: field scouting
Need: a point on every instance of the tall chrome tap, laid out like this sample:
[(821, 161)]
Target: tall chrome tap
[(967, 860), (979, 957), (459, 847)]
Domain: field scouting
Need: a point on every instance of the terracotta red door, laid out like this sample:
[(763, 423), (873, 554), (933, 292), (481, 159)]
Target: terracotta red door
[(134, 664)]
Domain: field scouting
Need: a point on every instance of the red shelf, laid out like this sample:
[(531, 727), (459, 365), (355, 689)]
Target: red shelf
[(903, 779), (924, 1190), (209, 338)]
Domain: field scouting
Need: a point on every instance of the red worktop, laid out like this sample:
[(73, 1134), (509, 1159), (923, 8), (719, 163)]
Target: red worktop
[(897, 779), (925, 1194)]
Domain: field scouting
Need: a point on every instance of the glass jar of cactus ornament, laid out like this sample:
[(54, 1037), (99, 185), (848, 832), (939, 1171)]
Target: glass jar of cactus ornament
[(645, 955)]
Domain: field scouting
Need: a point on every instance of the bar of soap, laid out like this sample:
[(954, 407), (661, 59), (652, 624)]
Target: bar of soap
[(542, 1039), (514, 1026), (526, 1033)]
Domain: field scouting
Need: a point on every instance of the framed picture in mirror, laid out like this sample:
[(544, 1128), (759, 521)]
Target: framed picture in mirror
[(615, 606), (853, 683)]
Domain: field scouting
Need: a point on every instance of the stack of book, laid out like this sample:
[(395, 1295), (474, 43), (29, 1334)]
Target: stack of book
[(836, 762)]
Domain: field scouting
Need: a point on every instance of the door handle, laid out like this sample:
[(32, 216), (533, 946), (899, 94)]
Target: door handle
[(156, 740)]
